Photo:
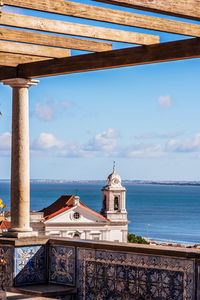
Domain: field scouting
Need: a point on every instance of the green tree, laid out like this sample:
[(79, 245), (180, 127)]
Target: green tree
[(137, 239)]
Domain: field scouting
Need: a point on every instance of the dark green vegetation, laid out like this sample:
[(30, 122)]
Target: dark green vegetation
[(137, 239)]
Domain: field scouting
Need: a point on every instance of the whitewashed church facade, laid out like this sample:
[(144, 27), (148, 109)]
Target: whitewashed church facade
[(69, 217)]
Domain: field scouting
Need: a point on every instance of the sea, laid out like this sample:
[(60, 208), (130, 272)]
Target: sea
[(158, 212)]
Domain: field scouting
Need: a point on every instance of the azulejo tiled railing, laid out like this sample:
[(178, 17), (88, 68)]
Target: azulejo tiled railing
[(62, 265), (104, 270), (115, 275)]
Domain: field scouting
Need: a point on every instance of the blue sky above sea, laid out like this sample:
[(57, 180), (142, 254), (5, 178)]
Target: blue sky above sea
[(146, 118)]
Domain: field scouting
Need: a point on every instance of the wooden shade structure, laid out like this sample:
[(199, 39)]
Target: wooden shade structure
[(32, 47)]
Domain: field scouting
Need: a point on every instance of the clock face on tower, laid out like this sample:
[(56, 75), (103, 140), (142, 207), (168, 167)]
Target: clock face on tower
[(115, 181)]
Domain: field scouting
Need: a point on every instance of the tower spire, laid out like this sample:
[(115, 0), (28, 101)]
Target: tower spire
[(114, 166)]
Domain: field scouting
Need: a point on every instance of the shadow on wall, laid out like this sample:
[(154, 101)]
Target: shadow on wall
[(30, 265)]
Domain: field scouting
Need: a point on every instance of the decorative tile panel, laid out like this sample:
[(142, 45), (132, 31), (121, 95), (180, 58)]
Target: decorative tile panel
[(6, 266), (198, 279), (29, 265), (62, 265), (107, 275)]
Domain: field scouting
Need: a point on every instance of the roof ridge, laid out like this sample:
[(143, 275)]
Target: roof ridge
[(60, 206)]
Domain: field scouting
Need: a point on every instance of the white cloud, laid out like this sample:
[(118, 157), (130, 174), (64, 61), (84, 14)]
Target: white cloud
[(101, 145), (44, 112), (141, 150), (157, 135), (5, 144), (5, 141), (105, 145), (72, 150), (172, 145), (47, 141), (63, 104), (50, 109), (165, 101), (105, 141), (189, 145)]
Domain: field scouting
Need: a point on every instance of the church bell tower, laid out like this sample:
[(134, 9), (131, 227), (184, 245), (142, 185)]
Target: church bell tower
[(114, 199)]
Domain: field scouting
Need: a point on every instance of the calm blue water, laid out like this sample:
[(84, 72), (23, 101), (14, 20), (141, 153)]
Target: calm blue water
[(172, 212)]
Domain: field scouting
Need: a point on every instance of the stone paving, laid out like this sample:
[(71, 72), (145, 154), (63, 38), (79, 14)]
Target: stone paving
[(18, 296)]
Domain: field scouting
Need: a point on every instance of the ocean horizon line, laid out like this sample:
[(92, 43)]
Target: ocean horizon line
[(102, 181)]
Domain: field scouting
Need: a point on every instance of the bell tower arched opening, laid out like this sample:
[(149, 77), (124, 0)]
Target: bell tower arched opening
[(114, 199)]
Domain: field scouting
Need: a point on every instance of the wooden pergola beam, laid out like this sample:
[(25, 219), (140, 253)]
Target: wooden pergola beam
[(8, 72), (189, 9), (13, 60), (52, 40), (170, 51), (26, 49), (61, 27), (108, 15)]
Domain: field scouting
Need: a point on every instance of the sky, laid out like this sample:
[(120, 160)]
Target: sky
[(146, 118)]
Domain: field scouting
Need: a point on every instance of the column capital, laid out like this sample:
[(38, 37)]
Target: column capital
[(20, 82)]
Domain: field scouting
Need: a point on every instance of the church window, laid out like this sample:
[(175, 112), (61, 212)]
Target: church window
[(77, 235), (76, 215), (104, 202), (116, 203)]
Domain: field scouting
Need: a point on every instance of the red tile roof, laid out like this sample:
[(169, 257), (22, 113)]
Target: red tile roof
[(5, 224), (64, 203), (94, 212)]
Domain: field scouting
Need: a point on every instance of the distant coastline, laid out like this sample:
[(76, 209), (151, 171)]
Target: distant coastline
[(172, 211), (102, 182)]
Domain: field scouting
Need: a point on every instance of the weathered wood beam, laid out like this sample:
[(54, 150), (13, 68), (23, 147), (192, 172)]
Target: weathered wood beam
[(12, 60), (133, 56), (52, 40), (26, 49), (7, 72), (54, 26), (189, 9), (109, 15)]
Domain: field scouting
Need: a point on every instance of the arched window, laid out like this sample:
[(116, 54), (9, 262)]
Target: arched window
[(104, 203), (116, 203), (77, 235)]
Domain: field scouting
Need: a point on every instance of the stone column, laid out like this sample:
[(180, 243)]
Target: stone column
[(20, 166)]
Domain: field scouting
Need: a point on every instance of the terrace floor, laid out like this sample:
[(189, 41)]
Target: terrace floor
[(39, 291), (16, 296)]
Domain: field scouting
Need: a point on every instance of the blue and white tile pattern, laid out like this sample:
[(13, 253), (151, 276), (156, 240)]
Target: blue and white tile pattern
[(29, 265), (109, 275), (62, 265)]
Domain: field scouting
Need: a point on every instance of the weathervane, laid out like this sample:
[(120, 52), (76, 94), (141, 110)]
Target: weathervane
[(114, 166)]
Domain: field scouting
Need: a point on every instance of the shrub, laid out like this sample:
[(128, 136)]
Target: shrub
[(137, 239)]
